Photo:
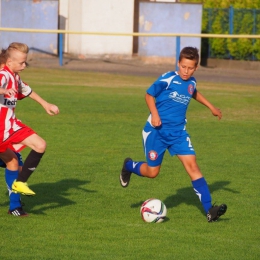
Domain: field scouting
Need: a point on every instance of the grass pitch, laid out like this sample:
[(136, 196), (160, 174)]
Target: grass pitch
[(80, 210)]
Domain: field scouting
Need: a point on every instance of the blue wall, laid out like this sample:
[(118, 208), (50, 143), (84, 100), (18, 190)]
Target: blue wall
[(32, 15), (155, 17)]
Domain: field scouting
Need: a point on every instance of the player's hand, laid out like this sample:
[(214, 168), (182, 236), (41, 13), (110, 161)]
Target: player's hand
[(9, 92), (216, 112), (156, 121), (52, 109)]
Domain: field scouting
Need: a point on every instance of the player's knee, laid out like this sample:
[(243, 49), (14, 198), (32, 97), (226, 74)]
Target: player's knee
[(152, 172), (12, 164), (41, 146)]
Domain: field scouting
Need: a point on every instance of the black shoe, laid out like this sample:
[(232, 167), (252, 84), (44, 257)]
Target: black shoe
[(18, 212), (125, 174), (215, 212)]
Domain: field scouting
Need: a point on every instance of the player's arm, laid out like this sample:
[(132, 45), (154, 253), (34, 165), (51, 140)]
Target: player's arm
[(155, 120), (49, 108), (201, 99)]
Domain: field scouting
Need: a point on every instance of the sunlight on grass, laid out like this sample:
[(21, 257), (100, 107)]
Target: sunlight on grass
[(81, 212)]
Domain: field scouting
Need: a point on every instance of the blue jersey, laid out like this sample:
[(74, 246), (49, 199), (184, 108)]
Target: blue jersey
[(172, 95)]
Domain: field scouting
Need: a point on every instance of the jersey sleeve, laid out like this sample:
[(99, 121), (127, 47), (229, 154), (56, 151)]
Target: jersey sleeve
[(156, 88), (195, 85), (3, 80), (160, 84), (23, 90)]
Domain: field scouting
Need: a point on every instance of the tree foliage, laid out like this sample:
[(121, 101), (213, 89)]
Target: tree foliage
[(226, 3), (216, 20)]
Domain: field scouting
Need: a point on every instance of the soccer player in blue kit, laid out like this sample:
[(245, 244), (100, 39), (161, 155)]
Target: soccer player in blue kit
[(168, 99), (15, 204)]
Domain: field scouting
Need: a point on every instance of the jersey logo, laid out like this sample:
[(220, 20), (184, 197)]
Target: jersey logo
[(176, 82), (8, 102), (179, 98), (191, 89), (134, 164), (198, 194), (153, 155)]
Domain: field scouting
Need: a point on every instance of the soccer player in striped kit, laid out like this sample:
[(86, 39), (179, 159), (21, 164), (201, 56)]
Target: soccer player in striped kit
[(14, 135), (15, 204), (168, 99)]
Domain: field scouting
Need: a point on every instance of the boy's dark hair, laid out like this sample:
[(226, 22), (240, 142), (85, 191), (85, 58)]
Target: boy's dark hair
[(2, 57), (190, 53)]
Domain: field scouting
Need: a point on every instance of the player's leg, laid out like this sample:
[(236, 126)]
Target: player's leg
[(154, 152), (186, 155), (198, 182), (141, 169), (38, 146), (11, 174)]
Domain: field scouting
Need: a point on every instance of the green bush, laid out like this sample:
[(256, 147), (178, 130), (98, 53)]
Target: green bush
[(215, 20), (244, 22)]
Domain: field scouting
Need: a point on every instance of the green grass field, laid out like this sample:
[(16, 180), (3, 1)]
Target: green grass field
[(80, 210)]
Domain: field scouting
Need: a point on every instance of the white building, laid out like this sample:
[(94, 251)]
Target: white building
[(127, 16)]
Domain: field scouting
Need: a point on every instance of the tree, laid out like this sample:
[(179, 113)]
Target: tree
[(216, 20)]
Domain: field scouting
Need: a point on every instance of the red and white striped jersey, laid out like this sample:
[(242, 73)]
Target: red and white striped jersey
[(8, 122)]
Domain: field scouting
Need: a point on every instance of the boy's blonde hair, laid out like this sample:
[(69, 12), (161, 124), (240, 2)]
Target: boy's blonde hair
[(15, 46)]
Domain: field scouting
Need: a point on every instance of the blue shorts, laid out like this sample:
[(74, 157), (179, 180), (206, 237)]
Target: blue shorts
[(157, 140), (20, 161)]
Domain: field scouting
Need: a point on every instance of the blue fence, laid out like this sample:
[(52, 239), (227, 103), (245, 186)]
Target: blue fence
[(34, 15)]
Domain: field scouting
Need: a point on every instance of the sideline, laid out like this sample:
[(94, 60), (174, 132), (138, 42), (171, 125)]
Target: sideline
[(139, 68)]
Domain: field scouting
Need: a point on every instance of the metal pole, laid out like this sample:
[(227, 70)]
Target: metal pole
[(231, 19), (254, 32), (60, 48), (178, 49), (231, 23)]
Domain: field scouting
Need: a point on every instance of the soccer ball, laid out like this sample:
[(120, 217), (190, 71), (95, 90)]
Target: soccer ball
[(153, 211)]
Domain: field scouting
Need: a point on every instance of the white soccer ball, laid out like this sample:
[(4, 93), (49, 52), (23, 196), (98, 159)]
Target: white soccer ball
[(153, 211)]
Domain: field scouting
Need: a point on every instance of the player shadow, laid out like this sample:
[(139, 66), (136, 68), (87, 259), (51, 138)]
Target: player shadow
[(52, 195), (187, 195)]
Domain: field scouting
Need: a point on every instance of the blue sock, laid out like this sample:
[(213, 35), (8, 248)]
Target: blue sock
[(15, 198), (200, 186), (134, 167)]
